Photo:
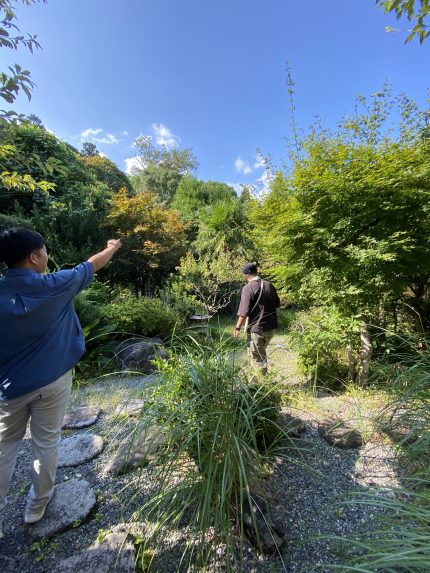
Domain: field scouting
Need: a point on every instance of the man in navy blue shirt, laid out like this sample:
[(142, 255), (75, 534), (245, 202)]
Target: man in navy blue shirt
[(40, 342)]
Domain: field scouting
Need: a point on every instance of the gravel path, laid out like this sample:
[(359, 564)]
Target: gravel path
[(305, 491)]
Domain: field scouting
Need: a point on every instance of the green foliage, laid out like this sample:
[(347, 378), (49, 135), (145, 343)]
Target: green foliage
[(162, 169), (142, 316), (175, 295), (9, 221), (98, 332), (213, 277), (69, 218), (43, 549), (89, 302), (348, 225), (192, 195), (16, 79), (153, 240), (350, 222), (107, 172), (320, 337), (219, 434), (414, 11), (398, 540)]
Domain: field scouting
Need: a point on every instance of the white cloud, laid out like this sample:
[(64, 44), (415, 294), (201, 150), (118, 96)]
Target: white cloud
[(108, 138), (236, 186), (260, 162), (264, 182), (90, 132), (163, 135), (124, 133), (242, 166), (132, 165)]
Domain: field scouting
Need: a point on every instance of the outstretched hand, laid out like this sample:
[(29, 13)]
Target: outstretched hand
[(115, 243)]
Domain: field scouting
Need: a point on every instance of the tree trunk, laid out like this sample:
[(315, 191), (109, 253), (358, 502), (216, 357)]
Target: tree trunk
[(351, 362), (365, 352)]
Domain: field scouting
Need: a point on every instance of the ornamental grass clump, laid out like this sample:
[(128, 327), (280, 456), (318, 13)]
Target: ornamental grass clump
[(221, 432), (399, 540)]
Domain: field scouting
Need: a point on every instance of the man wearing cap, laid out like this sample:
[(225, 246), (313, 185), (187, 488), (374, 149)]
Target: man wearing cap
[(258, 303)]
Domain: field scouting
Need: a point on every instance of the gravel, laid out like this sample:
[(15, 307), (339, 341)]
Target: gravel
[(306, 492)]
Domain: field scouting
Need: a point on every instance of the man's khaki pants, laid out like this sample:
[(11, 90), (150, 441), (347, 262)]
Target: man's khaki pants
[(45, 408), (257, 349)]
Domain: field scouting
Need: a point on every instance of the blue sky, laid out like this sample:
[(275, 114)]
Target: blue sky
[(208, 75)]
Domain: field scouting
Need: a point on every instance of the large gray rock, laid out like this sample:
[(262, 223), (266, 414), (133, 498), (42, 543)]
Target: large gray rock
[(340, 434), (112, 555), (78, 449), (264, 531), (81, 417), (72, 502), (137, 354), (137, 452)]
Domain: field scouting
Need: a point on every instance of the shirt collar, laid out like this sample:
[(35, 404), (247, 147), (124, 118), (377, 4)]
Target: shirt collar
[(257, 278)]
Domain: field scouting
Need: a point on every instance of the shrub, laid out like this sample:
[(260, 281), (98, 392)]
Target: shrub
[(8, 221), (320, 336), (141, 316), (220, 434), (89, 304), (175, 295)]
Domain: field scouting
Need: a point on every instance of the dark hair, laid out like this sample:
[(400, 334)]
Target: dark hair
[(17, 244), (249, 269)]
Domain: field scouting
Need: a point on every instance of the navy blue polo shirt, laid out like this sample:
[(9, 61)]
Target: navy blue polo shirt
[(40, 335)]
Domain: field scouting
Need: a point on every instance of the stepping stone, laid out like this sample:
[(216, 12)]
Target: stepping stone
[(294, 426), (112, 555), (130, 408), (72, 502), (138, 452), (78, 449), (81, 417), (340, 434)]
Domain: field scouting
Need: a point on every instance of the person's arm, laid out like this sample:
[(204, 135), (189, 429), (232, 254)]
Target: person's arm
[(239, 323), (99, 260), (243, 310)]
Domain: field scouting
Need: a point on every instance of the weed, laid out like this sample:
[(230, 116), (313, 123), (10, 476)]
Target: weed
[(43, 549)]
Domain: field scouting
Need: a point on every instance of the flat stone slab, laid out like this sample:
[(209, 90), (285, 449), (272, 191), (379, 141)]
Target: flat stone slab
[(78, 449), (81, 417), (130, 408), (112, 555), (72, 502), (340, 434), (138, 452)]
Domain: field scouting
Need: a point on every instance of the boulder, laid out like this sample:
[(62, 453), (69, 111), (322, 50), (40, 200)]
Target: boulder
[(265, 532), (78, 449), (81, 417), (70, 505), (114, 554), (340, 434), (137, 452), (137, 354)]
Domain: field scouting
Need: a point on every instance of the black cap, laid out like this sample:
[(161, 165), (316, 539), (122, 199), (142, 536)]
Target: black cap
[(249, 269)]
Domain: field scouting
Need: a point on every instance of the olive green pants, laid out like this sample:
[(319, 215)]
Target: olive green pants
[(257, 349)]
